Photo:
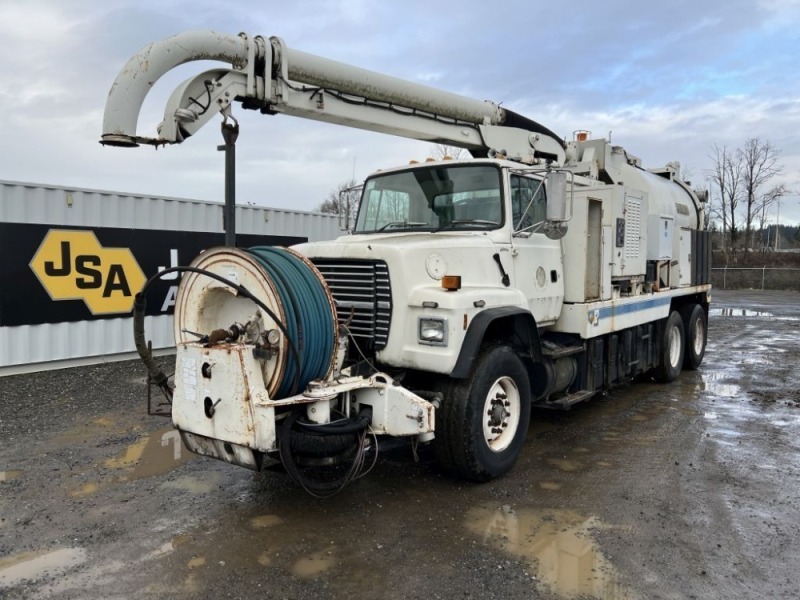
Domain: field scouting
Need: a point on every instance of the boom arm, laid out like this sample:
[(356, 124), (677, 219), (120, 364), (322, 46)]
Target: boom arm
[(268, 76)]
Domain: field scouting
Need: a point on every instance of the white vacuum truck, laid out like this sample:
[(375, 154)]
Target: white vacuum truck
[(538, 272)]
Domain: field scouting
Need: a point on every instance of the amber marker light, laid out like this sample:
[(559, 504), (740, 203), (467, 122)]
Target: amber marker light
[(451, 283)]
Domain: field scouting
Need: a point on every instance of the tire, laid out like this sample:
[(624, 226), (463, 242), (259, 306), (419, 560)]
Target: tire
[(483, 420), (695, 328), (671, 350)]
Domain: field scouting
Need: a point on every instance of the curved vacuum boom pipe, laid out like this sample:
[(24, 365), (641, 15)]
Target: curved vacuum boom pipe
[(145, 68), (326, 73), (266, 76)]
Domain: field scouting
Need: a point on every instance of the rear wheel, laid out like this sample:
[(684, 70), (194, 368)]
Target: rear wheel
[(483, 420), (672, 348), (695, 327)]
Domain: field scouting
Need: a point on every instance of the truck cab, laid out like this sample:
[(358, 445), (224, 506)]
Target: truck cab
[(435, 244)]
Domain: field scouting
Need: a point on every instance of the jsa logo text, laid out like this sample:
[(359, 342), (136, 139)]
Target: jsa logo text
[(72, 265)]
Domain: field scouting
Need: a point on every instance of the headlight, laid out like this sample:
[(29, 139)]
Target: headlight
[(432, 331)]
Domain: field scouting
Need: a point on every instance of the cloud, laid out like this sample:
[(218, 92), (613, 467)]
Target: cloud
[(668, 80)]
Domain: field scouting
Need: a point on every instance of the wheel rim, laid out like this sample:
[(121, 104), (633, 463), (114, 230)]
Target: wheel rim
[(501, 412), (674, 346), (699, 337)]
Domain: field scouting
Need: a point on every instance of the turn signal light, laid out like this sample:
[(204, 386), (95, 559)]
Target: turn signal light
[(451, 282)]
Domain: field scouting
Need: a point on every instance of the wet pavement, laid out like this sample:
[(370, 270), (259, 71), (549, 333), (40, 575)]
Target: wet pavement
[(687, 490)]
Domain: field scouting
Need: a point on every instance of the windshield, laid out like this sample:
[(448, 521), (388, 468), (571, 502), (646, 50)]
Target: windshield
[(465, 197)]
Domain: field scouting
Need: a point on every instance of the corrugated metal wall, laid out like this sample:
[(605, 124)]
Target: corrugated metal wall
[(37, 347), (31, 203)]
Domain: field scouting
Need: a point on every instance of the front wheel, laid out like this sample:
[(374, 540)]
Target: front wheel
[(671, 350), (482, 423)]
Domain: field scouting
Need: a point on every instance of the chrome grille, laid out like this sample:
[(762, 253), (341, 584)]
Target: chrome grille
[(363, 297)]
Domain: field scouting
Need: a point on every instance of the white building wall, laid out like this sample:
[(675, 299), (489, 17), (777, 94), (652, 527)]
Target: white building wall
[(29, 348)]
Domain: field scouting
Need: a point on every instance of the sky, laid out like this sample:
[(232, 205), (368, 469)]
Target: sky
[(667, 80)]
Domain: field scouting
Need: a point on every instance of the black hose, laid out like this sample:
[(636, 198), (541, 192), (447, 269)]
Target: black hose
[(345, 426), (316, 487), (157, 376)]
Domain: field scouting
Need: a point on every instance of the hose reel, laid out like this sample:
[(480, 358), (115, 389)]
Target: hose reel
[(287, 283)]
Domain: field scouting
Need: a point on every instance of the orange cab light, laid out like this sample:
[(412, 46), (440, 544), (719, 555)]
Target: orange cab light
[(451, 282)]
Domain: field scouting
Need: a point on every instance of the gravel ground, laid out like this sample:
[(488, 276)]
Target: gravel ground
[(686, 490)]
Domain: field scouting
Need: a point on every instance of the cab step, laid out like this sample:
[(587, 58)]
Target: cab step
[(566, 402)]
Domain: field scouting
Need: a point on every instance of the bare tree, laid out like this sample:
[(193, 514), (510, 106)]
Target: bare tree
[(726, 178), (440, 151), (759, 160), (343, 200), (764, 204), (686, 173)]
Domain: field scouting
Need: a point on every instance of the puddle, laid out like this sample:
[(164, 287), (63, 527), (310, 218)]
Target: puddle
[(131, 456), (645, 440), (728, 390), (558, 545), (196, 561), (550, 485), (152, 455), (86, 490), (715, 382), (313, 565), (265, 521), (33, 565), (564, 464), (167, 547), (725, 435), (9, 475), (746, 312), (737, 312), (689, 412), (204, 484)]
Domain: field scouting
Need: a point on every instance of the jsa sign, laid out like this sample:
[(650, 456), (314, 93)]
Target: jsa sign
[(73, 265), (52, 275)]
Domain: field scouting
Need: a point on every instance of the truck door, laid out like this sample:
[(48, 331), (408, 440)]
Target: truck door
[(538, 267)]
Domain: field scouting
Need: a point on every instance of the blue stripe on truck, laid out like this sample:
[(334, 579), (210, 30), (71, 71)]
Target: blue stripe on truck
[(625, 309)]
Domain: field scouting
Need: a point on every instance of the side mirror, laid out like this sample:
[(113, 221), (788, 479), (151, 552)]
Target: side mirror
[(555, 227), (556, 182), (347, 207)]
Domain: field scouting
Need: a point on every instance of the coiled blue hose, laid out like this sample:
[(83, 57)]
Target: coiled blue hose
[(309, 318)]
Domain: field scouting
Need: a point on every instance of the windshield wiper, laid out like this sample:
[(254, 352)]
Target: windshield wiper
[(465, 222), (399, 223)]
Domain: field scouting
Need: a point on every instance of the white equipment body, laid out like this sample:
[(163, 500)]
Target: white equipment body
[(539, 271)]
